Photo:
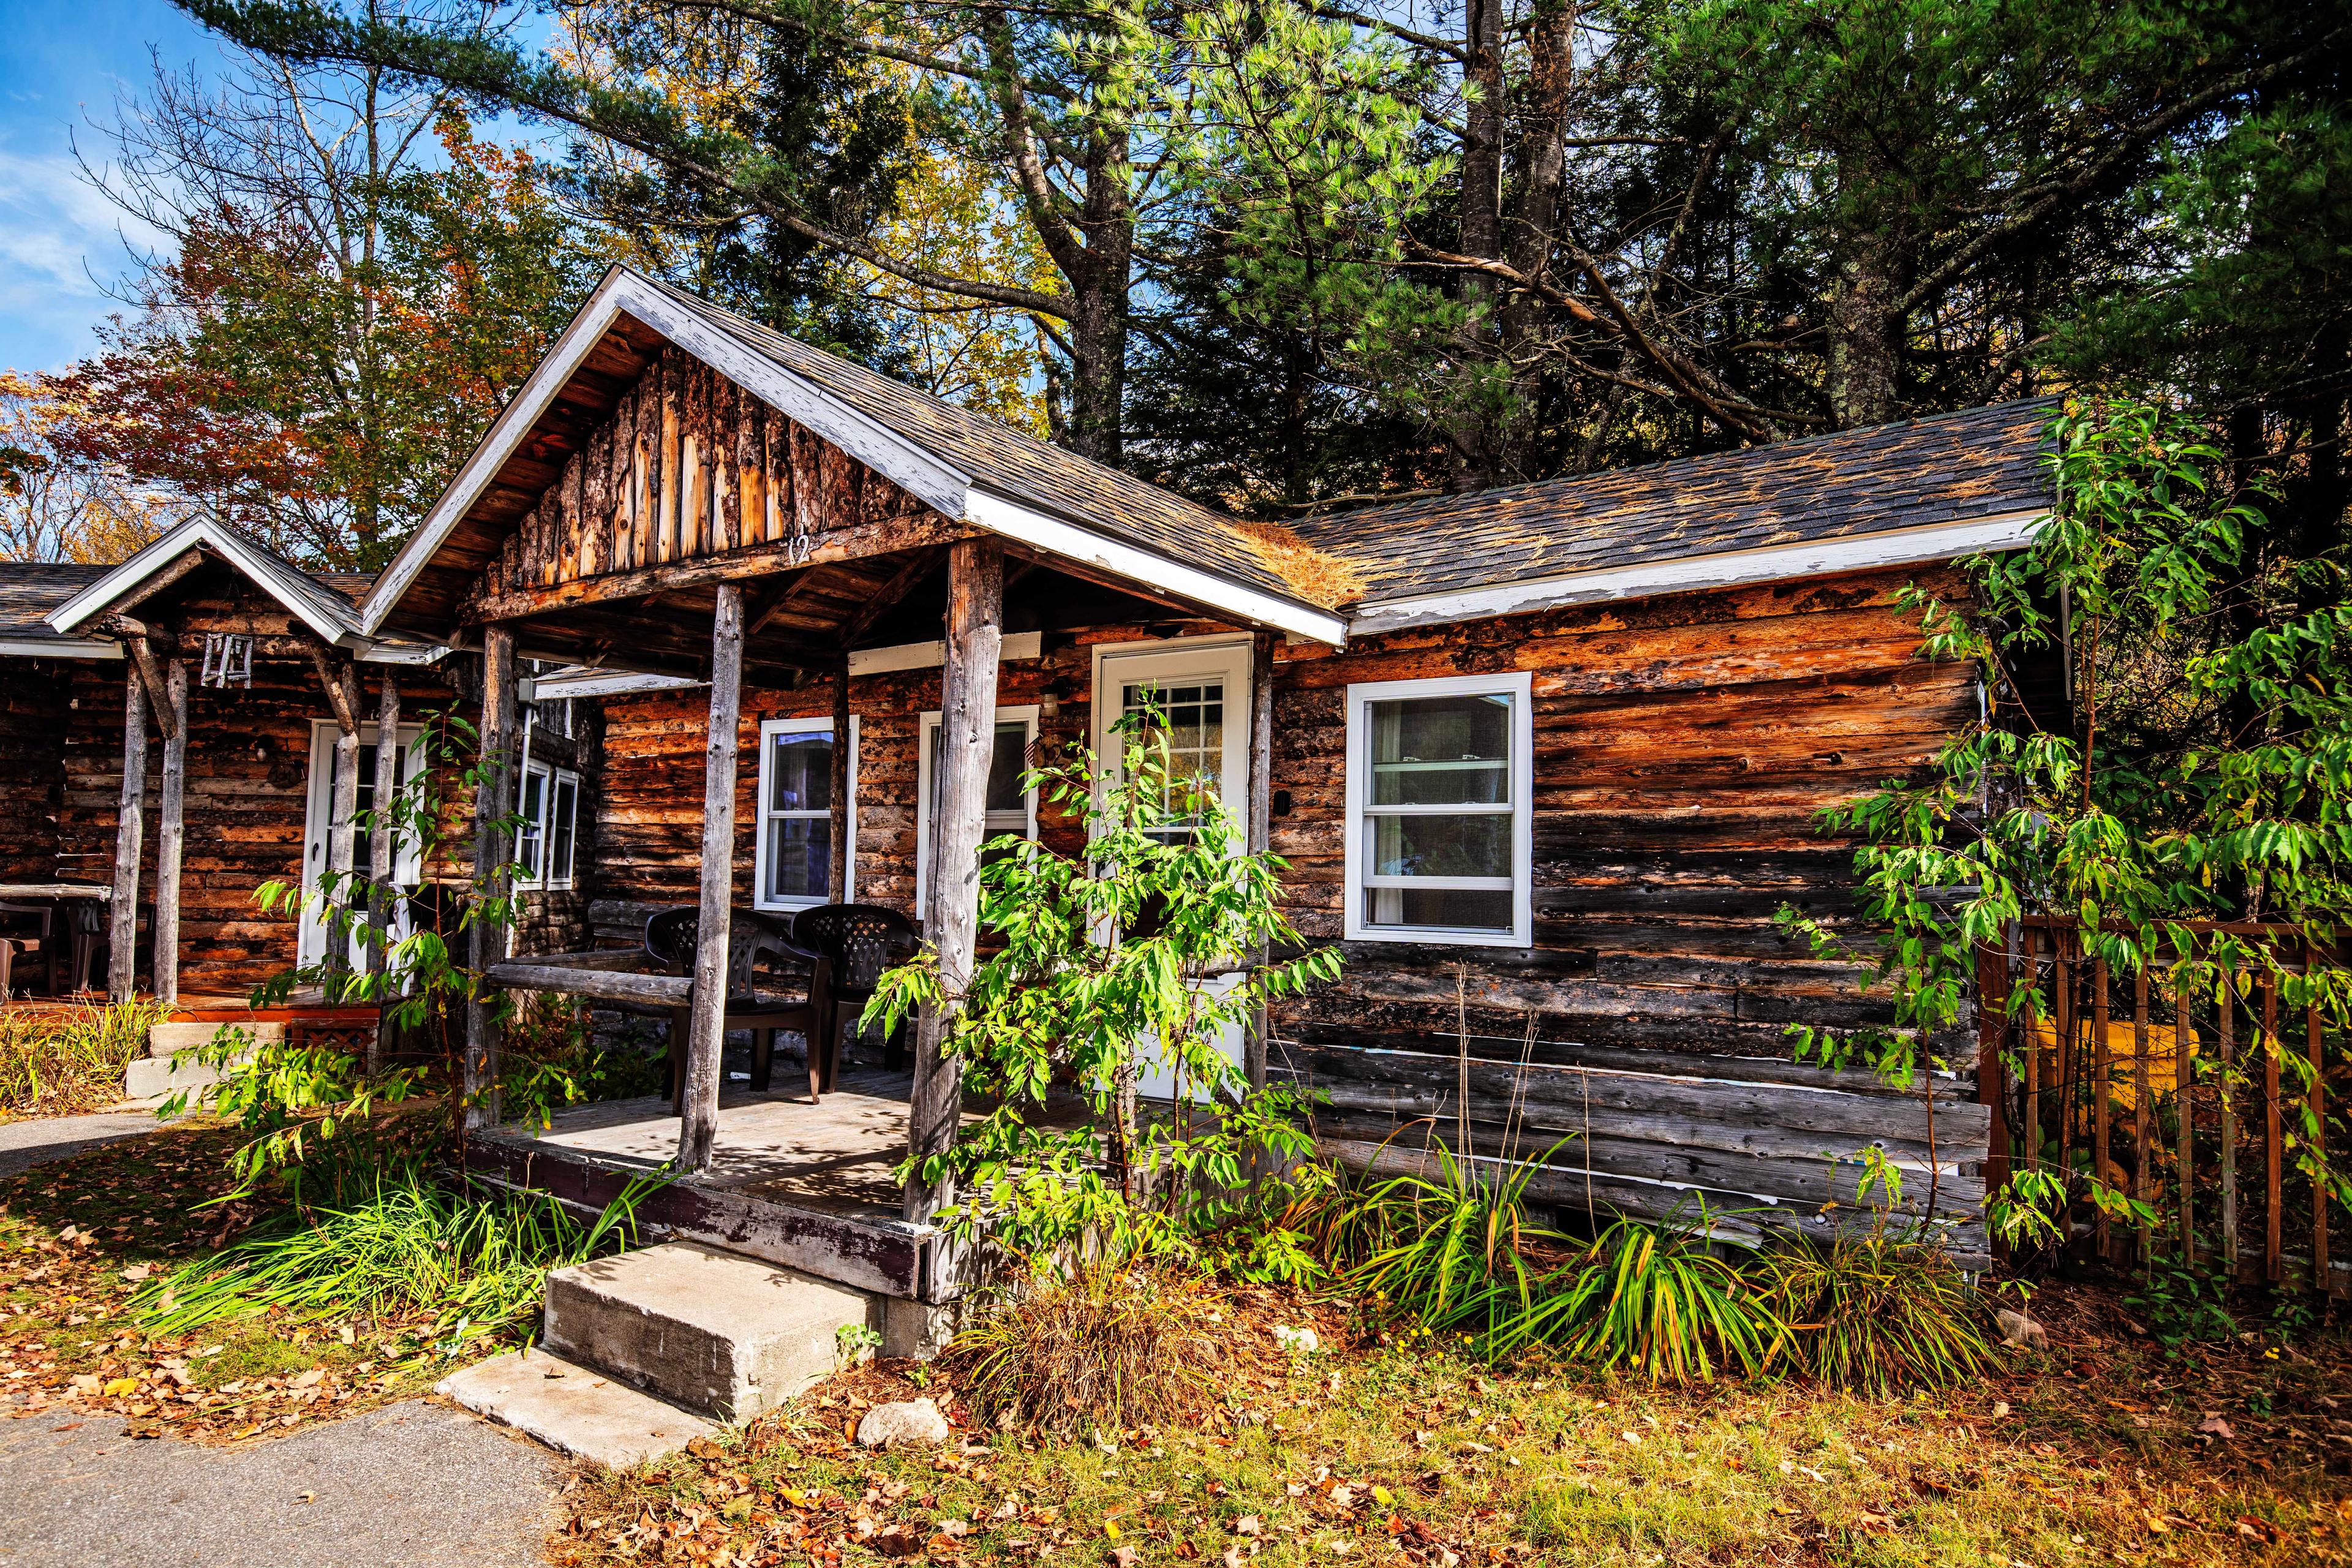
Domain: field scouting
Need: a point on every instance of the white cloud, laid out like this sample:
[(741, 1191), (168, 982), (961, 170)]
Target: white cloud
[(60, 241)]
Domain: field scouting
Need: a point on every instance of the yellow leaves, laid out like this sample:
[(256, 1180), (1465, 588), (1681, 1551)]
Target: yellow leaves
[(1383, 1496), (1110, 1529), (120, 1387)]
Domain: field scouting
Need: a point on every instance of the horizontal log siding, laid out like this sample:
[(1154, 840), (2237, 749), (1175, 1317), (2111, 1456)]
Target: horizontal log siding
[(1683, 745), (33, 713)]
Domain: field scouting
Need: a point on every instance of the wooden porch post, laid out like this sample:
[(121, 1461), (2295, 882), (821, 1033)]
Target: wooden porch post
[(382, 857), (122, 935), (952, 916), (493, 800), (1261, 818), (838, 871), (342, 830), (170, 833), (707, 1024)]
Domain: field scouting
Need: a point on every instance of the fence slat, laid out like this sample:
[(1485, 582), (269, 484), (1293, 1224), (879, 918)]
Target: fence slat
[(2143, 1172), (2224, 1048), (2102, 1104), (2323, 1278), (1992, 1076), (2182, 1081), (2273, 1205)]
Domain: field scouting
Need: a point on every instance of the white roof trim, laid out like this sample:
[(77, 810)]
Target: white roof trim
[(1815, 558), (929, 655), (86, 606), (939, 484), (59, 648), (1051, 534)]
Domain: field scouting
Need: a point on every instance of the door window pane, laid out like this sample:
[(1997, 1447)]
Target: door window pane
[(800, 772), (534, 818), (800, 856), (560, 839)]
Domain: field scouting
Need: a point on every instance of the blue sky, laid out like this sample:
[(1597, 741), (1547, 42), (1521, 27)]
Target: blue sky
[(59, 241)]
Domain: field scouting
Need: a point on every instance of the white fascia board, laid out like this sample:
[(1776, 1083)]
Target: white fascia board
[(497, 443), (203, 533), (1055, 537), (583, 683), (400, 653), (929, 655), (59, 648), (1818, 558)]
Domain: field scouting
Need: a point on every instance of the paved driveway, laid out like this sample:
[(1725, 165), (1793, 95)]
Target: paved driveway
[(408, 1486)]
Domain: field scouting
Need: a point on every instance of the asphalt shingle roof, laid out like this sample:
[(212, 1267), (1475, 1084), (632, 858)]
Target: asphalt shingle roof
[(29, 590), (1975, 464)]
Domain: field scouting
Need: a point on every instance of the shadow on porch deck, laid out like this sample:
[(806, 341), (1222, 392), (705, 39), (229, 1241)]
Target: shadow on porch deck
[(802, 1186)]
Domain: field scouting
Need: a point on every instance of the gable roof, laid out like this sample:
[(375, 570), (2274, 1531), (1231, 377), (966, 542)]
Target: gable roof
[(29, 590), (1924, 489), (963, 465), (327, 613)]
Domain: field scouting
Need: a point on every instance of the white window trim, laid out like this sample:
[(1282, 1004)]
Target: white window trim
[(408, 867), (553, 775), (1519, 685), (1214, 654), (770, 727), (926, 727)]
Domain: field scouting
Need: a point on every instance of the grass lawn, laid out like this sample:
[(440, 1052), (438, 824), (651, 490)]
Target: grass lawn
[(78, 1239), (1381, 1453)]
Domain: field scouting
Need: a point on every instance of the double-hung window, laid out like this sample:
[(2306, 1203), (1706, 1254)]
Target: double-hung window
[(550, 809), (795, 857), (1439, 836), (1010, 808)]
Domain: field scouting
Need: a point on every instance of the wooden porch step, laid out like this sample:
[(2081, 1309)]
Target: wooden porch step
[(717, 1332)]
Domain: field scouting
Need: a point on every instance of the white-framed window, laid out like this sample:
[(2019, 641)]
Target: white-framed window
[(1440, 838), (1010, 808), (407, 869), (1201, 689), (545, 845), (795, 858)]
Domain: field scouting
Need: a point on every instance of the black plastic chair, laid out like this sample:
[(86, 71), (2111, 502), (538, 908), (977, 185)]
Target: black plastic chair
[(670, 942), (857, 942)]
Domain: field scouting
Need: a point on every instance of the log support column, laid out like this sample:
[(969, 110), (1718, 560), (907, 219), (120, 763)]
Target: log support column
[(171, 832), (975, 637), (707, 1022), (384, 855), (129, 824), (493, 803), (1260, 826), (342, 827)]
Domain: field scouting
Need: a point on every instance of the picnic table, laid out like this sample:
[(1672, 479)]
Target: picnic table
[(77, 907)]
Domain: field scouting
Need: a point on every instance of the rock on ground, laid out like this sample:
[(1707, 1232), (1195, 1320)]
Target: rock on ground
[(410, 1485), (911, 1422)]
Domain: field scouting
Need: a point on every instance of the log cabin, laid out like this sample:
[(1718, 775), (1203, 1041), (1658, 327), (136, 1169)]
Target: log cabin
[(1544, 763), (178, 730)]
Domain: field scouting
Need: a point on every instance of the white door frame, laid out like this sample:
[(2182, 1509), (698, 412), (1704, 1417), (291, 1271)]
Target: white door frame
[(318, 817), (1222, 656)]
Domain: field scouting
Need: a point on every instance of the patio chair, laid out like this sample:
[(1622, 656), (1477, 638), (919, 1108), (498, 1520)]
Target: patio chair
[(751, 936), (857, 941)]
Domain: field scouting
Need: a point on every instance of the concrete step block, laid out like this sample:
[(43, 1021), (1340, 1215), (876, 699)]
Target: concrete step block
[(714, 1331), (165, 1040), (573, 1409), (149, 1079)]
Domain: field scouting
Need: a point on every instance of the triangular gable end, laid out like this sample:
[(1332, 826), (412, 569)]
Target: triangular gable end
[(324, 613), (533, 485)]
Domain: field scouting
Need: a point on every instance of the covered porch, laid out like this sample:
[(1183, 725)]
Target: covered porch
[(681, 494)]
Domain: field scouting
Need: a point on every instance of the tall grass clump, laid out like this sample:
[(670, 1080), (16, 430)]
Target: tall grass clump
[(1109, 1347), (71, 1060), (1878, 1313), (1655, 1299), (472, 1257)]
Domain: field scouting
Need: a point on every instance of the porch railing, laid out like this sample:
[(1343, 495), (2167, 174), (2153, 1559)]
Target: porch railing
[(2194, 1099)]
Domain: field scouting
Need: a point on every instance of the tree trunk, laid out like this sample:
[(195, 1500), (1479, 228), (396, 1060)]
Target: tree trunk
[(493, 803), (170, 835), (1527, 230), (1864, 330), (1098, 326), (1481, 208), (383, 850), (129, 824)]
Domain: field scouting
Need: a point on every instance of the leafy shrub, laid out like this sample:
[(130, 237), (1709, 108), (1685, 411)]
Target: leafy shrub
[(2184, 1304), (1878, 1313), (551, 1058), (1107, 957), (55, 1063), (472, 1257), (1108, 1347)]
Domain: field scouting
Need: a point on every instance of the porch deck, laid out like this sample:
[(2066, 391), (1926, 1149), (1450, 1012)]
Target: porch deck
[(800, 1185)]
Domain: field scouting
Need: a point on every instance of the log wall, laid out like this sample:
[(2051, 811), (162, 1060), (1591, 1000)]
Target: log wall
[(33, 712)]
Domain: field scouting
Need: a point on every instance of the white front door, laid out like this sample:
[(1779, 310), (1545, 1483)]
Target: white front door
[(1201, 688), (319, 815)]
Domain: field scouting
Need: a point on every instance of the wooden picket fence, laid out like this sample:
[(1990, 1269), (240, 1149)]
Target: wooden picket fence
[(2172, 1094)]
